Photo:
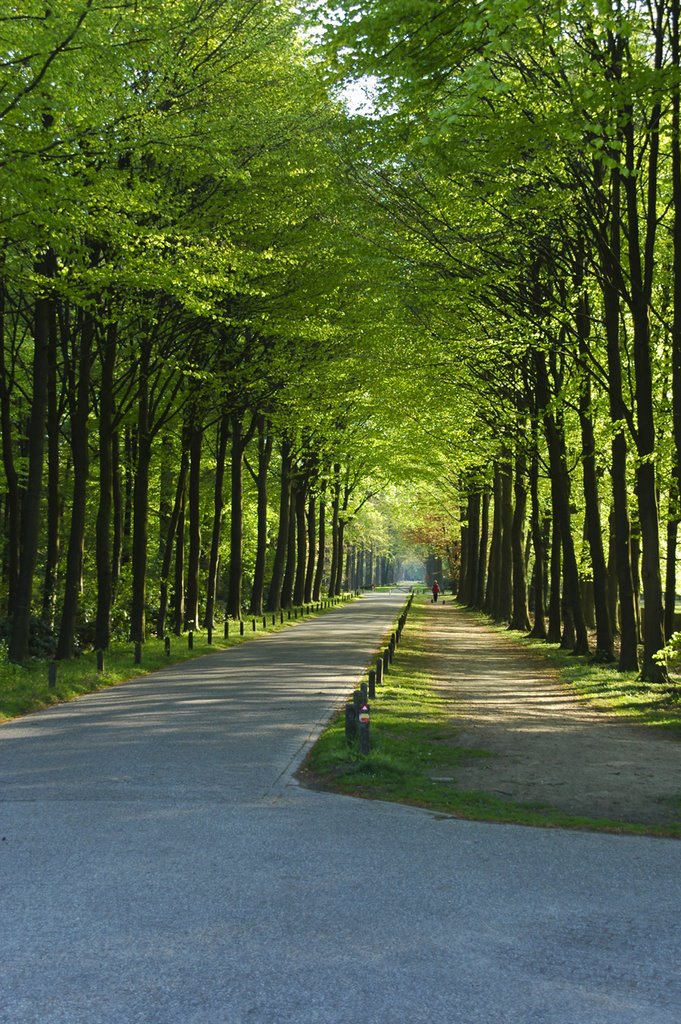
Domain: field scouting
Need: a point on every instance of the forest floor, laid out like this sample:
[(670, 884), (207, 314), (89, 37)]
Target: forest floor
[(544, 743)]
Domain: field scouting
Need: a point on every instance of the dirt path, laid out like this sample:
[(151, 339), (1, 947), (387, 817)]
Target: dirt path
[(547, 745)]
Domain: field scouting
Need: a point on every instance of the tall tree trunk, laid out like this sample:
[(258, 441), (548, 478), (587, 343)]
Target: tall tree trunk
[(311, 545), (140, 501), (321, 550), (520, 618), (491, 605), (103, 545), (264, 456), (505, 591), (218, 507), (31, 506), (13, 502), (178, 574), (553, 632), (169, 540), (236, 535), (191, 609), (54, 497), (79, 410), (482, 550), (118, 516), (538, 630), (641, 255), (290, 571), (301, 543), (335, 524), (560, 496), (280, 552)]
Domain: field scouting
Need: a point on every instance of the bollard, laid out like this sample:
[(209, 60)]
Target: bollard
[(254, 626), (190, 640), (372, 684), (274, 619), (379, 672), (363, 693), (364, 721), (210, 634), (100, 661), (166, 644), (281, 618), (350, 723), (52, 675), (138, 653), (386, 661), (226, 629), (357, 702), (264, 622), (241, 627)]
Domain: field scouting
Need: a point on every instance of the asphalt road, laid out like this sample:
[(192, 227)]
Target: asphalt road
[(160, 866)]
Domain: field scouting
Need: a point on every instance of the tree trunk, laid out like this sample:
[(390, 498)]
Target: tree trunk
[(178, 575), (505, 590), (54, 497), (560, 496), (140, 502), (335, 518), (171, 534), (301, 543), (103, 547), (31, 506), (236, 536), (520, 618), (191, 608), (13, 501), (79, 405), (482, 550), (264, 456), (218, 507), (279, 565), (311, 545), (290, 571), (321, 550), (538, 630)]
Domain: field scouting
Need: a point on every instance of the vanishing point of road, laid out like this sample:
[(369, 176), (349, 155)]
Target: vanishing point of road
[(160, 865)]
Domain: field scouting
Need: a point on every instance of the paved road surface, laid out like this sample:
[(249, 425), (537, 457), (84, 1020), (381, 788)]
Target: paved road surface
[(159, 866)]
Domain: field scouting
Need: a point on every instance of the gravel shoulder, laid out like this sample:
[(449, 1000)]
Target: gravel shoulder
[(545, 744)]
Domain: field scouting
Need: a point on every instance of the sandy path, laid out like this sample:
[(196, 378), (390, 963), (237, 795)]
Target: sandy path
[(547, 745)]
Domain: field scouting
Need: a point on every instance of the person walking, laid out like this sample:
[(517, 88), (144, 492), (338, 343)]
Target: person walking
[(436, 590)]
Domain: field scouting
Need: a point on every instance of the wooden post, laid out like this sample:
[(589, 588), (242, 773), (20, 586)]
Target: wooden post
[(190, 640), (379, 672), (241, 627), (364, 739), (210, 634), (372, 684), (226, 629), (350, 723), (166, 644), (52, 675), (138, 653), (100, 661)]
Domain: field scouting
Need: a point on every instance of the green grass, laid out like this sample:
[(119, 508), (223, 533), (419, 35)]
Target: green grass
[(415, 753), (25, 688)]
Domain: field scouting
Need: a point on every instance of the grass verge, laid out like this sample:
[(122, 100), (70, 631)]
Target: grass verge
[(415, 753), (25, 689)]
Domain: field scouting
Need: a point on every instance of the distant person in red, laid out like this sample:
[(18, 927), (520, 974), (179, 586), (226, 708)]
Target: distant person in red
[(436, 590)]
